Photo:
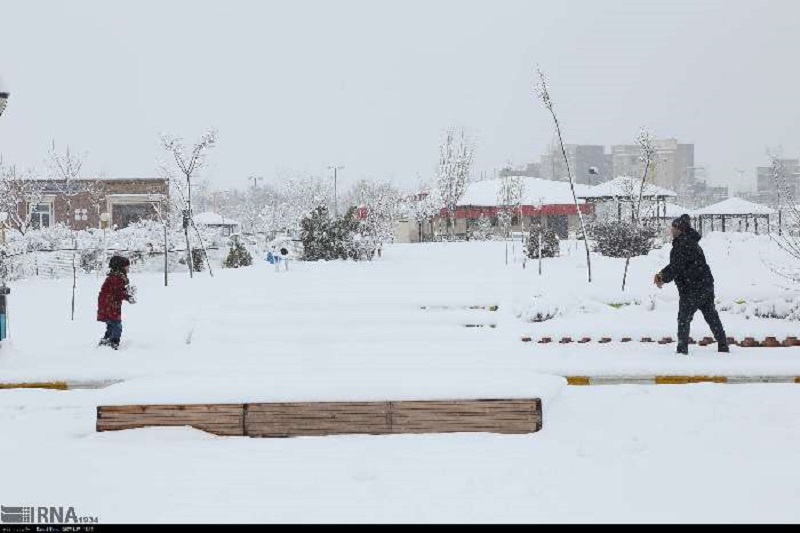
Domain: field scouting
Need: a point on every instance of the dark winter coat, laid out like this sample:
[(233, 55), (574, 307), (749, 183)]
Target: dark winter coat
[(112, 293), (688, 268)]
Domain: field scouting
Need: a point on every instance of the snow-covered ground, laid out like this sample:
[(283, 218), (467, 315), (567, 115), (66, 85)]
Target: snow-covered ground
[(344, 330), (341, 316)]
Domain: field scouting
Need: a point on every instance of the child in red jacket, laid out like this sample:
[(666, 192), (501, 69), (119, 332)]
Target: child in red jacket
[(109, 303)]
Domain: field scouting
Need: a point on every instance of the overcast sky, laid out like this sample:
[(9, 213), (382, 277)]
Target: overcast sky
[(293, 86)]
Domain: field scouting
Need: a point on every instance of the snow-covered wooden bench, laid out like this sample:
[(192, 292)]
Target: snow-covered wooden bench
[(509, 416)]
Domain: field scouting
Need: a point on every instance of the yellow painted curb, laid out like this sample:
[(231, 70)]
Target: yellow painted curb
[(683, 380), (580, 380), (53, 385)]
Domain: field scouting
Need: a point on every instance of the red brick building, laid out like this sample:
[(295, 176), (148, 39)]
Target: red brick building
[(80, 205)]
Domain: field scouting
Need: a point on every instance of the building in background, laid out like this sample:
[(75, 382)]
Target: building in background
[(767, 186), (582, 158), (674, 167), (80, 205), (547, 202)]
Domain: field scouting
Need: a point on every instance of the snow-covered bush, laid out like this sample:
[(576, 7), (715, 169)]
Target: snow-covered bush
[(483, 229), (238, 256), (622, 239), (550, 242)]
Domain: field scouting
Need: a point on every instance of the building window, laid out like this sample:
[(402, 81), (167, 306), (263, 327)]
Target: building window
[(123, 215), (41, 215)]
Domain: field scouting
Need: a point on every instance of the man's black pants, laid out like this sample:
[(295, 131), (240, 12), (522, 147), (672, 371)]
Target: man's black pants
[(687, 307)]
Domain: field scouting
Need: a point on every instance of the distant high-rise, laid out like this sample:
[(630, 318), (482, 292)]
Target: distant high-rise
[(673, 167), (582, 159), (766, 184)]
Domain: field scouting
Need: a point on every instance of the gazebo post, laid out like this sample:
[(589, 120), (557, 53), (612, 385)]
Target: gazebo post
[(723, 223), (755, 222), (780, 223)]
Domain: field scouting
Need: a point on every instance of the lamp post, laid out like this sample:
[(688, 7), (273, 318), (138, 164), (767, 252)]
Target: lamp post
[(255, 179), (4, 291), (105, 219), (3, 100), (335, 169)]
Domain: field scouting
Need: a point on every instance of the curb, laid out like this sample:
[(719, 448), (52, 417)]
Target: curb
[(747, 342), (582, 381)]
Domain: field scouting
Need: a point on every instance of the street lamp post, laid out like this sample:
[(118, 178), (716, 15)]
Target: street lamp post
[(3, 100), (105, 219), (335, 169), (255, 179)]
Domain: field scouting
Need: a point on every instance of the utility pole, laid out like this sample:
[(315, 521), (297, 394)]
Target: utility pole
[(335, 168), (255, 179)]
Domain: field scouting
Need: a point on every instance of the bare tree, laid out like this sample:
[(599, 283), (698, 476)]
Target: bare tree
[(455, 164), (788, 235), (380, 202), (163, 208), (509, 201), (647, 152), (20, 193), (422, 206), (65, 169), (542, 92), (189, 163)]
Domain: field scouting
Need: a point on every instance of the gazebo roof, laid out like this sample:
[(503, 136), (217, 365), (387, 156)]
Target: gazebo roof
[(736, 207), (536, 191), (624, 187)]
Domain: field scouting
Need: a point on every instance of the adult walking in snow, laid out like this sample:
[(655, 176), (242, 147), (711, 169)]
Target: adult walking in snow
[(691, 274), (115, 289)]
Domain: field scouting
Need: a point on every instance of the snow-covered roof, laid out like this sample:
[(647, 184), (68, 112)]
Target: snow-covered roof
[(624, 186), (210, 218), (536, 190), (735, 206)]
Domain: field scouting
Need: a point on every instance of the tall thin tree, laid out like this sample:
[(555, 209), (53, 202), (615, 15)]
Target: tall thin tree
[(543, 93), (455, 164), (188, 163), (647, 154)]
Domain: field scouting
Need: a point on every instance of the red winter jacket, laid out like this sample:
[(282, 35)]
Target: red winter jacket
[(109, 302)]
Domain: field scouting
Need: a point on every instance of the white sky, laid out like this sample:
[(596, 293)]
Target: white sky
[(294, 86)]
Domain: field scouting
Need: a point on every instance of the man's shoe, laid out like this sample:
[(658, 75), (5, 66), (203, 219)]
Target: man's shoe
[(103, 342), (724, 348), (683, 350)]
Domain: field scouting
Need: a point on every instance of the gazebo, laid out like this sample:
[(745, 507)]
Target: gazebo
[(209, 219), (625, 190), (734, 210), (670, 211)]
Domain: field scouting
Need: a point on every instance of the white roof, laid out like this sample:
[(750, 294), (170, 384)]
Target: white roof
[(624, 186), (735, 206), (213, 219), (484, 193)]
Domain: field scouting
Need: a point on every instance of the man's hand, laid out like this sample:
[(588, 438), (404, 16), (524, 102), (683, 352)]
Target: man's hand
[(658, 281)]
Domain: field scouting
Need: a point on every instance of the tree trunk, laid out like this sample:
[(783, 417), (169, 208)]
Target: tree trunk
[(540, 253), (74, 282), (166, 256), (202, 247), (574, 196), (188, 252)]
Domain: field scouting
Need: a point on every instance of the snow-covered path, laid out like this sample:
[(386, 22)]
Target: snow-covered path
[(698, 453)]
